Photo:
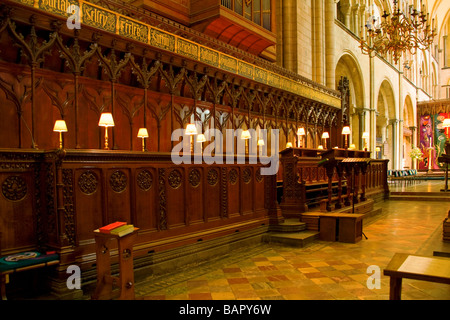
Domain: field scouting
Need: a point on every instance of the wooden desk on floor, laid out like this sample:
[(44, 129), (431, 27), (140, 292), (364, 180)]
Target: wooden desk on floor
[(343, 227), (402, 265)]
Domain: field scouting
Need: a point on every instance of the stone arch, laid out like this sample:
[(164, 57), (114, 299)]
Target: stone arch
[(408, 131), (387, 121), (348, 66)]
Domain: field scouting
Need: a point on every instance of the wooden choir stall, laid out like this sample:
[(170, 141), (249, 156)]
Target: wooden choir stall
[(332, 190)]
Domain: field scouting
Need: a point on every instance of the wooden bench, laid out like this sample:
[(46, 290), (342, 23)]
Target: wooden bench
[(402, 265), (22, 261)]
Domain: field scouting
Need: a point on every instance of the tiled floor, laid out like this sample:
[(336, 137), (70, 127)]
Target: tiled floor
[(322, 270)]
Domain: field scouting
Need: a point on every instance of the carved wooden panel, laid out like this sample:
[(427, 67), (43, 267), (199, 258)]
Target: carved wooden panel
[(18, 215), (88, 197)]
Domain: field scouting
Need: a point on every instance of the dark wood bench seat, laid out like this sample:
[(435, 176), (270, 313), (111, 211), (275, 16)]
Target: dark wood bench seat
[(23, 261)]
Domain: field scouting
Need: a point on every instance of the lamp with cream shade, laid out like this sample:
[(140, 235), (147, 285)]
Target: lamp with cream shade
[(289, 145), (346, 131), (60, 126), (191, 130), (200, 139), (300, 133), (245, 135), (365, 136), (325, 136), (143, 133), (106, 120)]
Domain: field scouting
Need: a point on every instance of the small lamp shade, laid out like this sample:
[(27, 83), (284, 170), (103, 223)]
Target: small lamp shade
[(320, 147), (261, 142), (106, 120), (352, 147), (201, 138), (365, 135), (377, 149), (60, 126), (301, 131), (289, 145), (346, 130), (446, 123), (325, 135), (191, 129), (142, 133), (245, 135)]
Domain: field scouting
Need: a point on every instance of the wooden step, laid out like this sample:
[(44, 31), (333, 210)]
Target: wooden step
[(289, 225), (421, 197), (295, 239)]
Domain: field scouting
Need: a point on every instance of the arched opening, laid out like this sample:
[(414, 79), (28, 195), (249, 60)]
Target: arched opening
[(348, 66), (387, 123)]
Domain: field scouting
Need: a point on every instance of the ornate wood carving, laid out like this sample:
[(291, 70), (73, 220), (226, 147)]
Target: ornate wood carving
[(194, 177), (247, 175), (233, 176), (144, 180), (14, 188), (87, 182), (69, 211), (174, 179), (213, 176), (162, 199), (118, 181)]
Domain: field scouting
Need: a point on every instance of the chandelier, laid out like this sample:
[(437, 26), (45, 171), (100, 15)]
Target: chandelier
[(397, 33)]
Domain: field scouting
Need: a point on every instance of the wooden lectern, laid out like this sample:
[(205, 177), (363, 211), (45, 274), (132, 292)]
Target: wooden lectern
[(125, 280)]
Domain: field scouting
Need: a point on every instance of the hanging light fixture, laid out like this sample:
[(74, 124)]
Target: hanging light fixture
[(398, 32)]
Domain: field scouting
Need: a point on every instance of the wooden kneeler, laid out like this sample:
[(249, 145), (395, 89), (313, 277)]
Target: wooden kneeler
[(125, 280)]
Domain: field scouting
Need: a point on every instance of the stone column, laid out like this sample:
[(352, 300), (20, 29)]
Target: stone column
[(318, 70), (330, 44)]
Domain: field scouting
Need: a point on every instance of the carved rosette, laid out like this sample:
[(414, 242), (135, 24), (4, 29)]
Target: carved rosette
[(247, 175), (14, 188), (258, 176), (194, 178), (87, 182), (213, 177), (118, 181), (233, 175), (144, 180), (174, 179)]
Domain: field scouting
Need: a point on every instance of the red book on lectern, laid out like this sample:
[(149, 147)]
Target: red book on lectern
[(111, 226)]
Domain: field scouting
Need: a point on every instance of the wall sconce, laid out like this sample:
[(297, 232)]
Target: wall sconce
[(300, 133), (346, 131), (325, 136), (365, 136), (191, 131), (60, 126), (143, 133), (106, 120), (289, 145)]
